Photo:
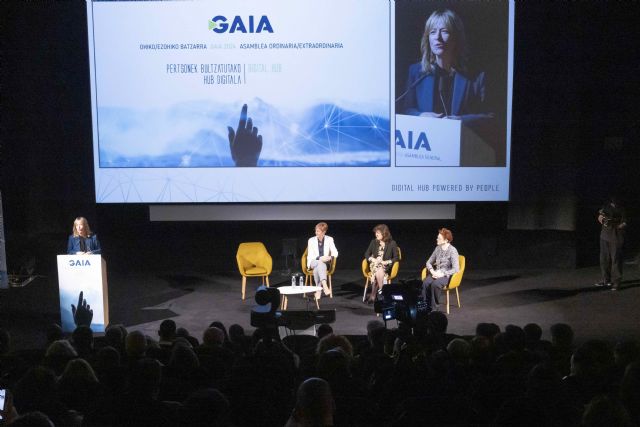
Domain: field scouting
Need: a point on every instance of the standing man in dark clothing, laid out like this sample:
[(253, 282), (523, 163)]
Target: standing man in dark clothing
[(612, 218)]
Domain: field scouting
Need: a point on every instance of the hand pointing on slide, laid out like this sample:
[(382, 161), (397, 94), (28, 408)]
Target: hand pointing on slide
[(83, 314), (245, 143)]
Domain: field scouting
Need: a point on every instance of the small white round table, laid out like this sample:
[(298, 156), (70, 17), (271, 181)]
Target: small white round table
[(297, 290)]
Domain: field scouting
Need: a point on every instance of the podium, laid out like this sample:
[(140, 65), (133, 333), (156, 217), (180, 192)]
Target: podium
[(427, 141), (86, 274)]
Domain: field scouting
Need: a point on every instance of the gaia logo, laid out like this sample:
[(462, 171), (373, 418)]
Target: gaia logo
[(220, 24), (408, 142), (79, 263)]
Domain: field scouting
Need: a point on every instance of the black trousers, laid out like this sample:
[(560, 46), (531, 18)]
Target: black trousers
[(611, 261), (430, 289)]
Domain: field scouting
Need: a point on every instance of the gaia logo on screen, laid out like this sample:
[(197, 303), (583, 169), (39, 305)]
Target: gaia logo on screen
[(408, 142), (220, 24)]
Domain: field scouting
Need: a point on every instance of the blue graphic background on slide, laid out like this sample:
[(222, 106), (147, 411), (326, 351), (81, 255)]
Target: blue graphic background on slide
[(194, 134)]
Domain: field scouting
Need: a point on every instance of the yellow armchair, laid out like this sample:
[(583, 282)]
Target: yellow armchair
[(308, 272), (366, 272), (455, 281), (253, 261)]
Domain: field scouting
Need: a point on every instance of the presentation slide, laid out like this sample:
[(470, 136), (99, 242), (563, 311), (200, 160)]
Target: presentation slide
[(300, 101)]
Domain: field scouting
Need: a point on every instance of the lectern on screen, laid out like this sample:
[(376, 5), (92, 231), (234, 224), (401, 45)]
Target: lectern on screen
[(86, 274)]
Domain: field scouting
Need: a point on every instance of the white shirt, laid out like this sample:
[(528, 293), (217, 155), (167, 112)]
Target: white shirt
[(312, 249)]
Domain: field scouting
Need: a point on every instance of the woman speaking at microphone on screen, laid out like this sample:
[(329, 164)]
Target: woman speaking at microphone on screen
[(440, 85), (82, 240)]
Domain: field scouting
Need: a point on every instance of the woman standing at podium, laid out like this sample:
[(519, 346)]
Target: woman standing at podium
[(441, 85), (82, 240)]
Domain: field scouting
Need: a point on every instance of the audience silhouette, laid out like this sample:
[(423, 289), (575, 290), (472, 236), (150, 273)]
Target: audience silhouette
[(415, 374)]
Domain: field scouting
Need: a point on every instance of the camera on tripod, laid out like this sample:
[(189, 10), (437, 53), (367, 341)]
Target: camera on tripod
[(401, 302)]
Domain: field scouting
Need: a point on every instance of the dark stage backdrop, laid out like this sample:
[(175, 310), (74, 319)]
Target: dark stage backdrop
[(575, 138)]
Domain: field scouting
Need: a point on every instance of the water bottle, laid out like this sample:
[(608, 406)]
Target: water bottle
[(301, 280), (293, 280)]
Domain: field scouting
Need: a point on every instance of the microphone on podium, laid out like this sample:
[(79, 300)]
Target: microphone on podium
[(412, 85)]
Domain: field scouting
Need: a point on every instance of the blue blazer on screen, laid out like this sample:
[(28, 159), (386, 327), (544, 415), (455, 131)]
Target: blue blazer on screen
[(467, 99), (91, 242)]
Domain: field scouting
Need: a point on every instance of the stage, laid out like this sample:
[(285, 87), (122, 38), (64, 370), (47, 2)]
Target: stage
[(141, 300)]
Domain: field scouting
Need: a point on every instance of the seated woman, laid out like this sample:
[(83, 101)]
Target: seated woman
[(82, 240), (320, 253), (381, 254), (441, 265)]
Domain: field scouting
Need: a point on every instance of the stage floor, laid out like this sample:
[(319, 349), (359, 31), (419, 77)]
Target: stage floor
[(142, 300)]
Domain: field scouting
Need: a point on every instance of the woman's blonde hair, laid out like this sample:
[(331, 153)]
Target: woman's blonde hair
[(454, 24), (82, 220), (323, 226)]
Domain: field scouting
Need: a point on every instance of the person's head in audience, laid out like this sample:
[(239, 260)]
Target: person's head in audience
[(36, 390), (184, 333), (606, 411), (218, 324), (5, 341), (459, 350), (145, 377), (182, 341), (267, 343), (333, 365), (324, 330), (533, 333), (593, 359), (115, 335), (437, 323), (314, 404), (78, 371), (626, 352), (167, 331), (332, 341), (31, 419), (488, 330), (514, 338), (481, 356), (53, 333), (266, 335), (236, 334), (544, 383), (58, 354), (107, 359), (213, 337), (183, 359), (82, 338), (61, 348), (206, 407), (562, 336), (135, 345), (236, 331)]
